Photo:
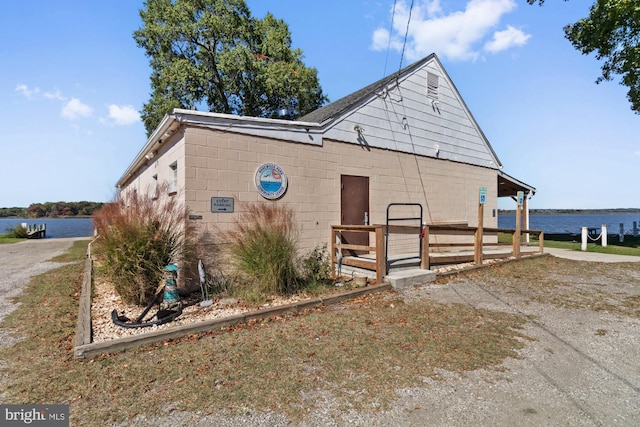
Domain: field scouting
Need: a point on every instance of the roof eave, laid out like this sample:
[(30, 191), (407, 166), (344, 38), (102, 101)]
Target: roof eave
[(165, 129), (171, 122), (514, 184)]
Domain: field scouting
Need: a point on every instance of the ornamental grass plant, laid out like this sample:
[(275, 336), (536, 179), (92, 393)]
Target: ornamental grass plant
[(262, 244), (138, 235)]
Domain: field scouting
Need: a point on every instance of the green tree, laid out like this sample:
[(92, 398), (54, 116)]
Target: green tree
[(213, 54), (15, 211), (612, 31), (35, 210)]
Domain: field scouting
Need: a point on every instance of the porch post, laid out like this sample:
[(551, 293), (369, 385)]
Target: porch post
[(424, 264), (516, 234), (525, 208), (381, 256), (478, 249), (333, 252)]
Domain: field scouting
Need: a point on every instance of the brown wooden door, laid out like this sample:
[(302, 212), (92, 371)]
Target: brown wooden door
[(354, 208)]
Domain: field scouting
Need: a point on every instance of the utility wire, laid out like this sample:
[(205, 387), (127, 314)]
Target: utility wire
[(406, 34), (386, 59)]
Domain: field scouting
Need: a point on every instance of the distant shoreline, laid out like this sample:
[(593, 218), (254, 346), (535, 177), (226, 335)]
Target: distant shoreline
[(46, 217), (574, 211)]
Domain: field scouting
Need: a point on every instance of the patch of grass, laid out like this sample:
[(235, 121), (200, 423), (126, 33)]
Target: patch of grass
[(75, 253), (5, 238), (359, 353), (46, 322), (566, 283), (631, 246), (505, 238), (14, 235), (592, 247)]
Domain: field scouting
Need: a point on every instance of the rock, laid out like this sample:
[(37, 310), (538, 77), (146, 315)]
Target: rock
[(226, 302)]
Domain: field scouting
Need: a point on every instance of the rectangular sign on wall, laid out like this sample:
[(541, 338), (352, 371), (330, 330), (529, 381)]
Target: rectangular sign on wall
[(222, 204)]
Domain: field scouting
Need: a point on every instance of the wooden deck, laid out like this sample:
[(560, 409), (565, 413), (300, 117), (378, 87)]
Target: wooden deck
[(471, 248), (36, 231)]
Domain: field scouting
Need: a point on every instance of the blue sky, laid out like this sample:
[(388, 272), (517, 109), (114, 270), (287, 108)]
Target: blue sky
[(72, 82)]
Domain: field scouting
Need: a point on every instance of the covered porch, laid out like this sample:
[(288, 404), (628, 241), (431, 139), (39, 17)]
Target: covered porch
[(459, 244), (509, 186)]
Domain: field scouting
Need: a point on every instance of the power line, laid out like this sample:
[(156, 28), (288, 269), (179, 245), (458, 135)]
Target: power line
[(393, 15), (406, 34)]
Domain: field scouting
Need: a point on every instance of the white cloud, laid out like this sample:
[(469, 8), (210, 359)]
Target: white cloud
[(123, 115), (452, 34), (503, 40), (24, 89), (433, 7), (54, 95), (74, 109), (636, 153), (381, 40)]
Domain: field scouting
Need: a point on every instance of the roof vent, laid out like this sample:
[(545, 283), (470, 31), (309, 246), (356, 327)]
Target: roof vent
[(432, 86)]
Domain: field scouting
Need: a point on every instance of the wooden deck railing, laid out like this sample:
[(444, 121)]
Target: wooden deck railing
[(478, 243), (377, 264), (428, 257)]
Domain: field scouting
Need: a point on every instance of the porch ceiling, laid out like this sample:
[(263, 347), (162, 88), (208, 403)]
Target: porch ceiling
[(508, 186)]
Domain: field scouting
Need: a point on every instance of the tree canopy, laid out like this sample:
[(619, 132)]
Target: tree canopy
[(612, 31), (52, 210), (213, 54)]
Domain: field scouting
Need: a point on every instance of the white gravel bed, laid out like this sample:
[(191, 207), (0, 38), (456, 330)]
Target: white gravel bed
[(105, 300)]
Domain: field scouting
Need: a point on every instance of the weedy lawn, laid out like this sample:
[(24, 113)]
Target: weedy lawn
[(359, 352)]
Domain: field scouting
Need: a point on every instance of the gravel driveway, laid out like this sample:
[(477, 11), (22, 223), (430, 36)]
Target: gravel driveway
[(581, 369), (21, 261)]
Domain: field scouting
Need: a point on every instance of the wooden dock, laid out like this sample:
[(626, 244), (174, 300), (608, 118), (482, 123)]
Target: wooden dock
[(35, 231)]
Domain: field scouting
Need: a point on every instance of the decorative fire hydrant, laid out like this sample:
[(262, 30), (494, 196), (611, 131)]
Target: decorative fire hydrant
[(171, 297)]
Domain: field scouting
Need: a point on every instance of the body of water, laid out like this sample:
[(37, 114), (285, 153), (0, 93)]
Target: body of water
[(56, 227), (573, 223), (556, 223)]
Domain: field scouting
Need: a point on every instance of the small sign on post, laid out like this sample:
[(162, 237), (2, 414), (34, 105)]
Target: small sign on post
[(520, 198), (483, 195)]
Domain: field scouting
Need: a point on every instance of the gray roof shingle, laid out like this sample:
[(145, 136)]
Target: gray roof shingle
[(336, 108)]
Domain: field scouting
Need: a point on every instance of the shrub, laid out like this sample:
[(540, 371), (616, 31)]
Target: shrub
[(137, 237), (18, 233), (262, 243), (316, 267)]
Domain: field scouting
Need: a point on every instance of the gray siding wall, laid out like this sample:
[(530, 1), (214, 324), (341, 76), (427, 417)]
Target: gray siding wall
[(403, 118)]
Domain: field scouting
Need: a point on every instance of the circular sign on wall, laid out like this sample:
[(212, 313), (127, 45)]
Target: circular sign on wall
[(271, 181)]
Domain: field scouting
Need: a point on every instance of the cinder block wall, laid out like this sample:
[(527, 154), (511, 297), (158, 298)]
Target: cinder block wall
[(223, 164)]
